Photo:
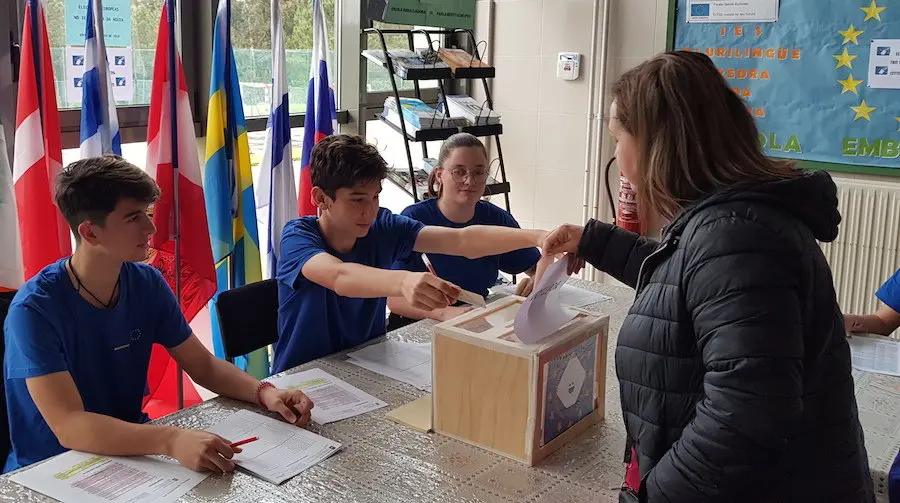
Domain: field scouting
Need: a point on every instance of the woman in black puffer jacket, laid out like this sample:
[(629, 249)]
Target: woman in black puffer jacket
[(733, 366)]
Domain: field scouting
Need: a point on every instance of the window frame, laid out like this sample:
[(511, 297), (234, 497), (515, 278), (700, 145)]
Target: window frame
[(197, 18)]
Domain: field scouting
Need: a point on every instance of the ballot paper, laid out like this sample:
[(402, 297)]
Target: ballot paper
[(570, 295), (333, 398), (874, 353), (404, 361), (542, 313), (78, 477), (281, 450)]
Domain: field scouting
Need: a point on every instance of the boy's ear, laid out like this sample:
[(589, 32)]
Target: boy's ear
[(320, 199), (86, 232)]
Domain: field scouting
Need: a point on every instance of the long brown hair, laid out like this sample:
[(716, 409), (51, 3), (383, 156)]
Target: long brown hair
[(694, 134), (459, 140)]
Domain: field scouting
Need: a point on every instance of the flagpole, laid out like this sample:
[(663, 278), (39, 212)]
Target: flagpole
[(230, 137), (173, 105), (36, 53)]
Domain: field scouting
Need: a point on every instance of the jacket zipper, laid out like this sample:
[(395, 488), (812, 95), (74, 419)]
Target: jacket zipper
[(667, 242)]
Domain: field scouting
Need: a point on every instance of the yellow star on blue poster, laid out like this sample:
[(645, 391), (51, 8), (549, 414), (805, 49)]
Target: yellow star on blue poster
[(844, 59), (850, 84), (851, 35), (873, 11), (863, 111)]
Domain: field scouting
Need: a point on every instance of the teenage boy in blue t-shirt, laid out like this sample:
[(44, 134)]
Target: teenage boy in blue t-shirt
[(79, 337), (334, 273)]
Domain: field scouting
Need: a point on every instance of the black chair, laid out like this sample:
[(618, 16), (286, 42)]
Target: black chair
[(248, 318), (5, 442)]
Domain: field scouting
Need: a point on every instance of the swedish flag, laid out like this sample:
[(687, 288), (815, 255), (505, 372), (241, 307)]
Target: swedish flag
[(228, 182)]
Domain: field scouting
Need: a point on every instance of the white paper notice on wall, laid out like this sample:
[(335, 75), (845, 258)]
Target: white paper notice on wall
[(732, 11), (884, 64), (542, 313), (121, 69)]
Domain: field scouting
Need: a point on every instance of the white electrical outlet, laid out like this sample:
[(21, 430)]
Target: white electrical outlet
[(568, 65)]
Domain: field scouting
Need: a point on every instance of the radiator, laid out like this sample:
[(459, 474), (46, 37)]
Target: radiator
[(867, 249)]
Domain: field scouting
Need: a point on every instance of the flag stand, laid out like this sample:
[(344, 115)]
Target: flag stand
[(173, 104)]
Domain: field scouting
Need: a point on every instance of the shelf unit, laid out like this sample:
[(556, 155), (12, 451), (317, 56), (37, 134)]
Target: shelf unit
[(440, 75)]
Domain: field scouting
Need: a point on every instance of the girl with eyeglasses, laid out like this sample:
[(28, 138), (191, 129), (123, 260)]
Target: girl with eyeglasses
[(458, 183)]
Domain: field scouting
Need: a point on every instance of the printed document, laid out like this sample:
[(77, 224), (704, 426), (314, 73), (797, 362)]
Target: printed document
[(79, 477), (875, 353), (542, 313), (404, 361), (281, 451), (334, 399)]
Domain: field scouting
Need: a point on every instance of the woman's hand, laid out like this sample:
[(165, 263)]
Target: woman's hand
[(564, 239)]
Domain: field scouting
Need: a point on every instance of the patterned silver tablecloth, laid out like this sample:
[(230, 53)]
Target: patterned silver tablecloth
[(384, 462)]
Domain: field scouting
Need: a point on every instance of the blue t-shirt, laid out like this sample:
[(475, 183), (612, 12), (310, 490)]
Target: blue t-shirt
[(475, 275), (51, 328), (889, 293), (314, 321)]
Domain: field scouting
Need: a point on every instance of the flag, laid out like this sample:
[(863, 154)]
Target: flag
[(10, 247), (197, 271), (276, 190), (99, 124), (228, 181), (44, 233), (321, 115)]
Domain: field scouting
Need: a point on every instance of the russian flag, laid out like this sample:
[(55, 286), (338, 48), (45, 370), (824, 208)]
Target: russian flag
[(99, 124), (321, 114), (276, 189), (38, 149)]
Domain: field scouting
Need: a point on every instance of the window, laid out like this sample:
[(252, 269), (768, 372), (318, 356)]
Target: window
[(252, 42), (130, 30)]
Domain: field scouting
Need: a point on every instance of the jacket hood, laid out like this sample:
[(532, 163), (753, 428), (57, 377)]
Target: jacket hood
[(811, 198)]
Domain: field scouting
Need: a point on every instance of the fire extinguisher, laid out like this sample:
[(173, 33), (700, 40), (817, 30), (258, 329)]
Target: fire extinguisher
[(627, 210)]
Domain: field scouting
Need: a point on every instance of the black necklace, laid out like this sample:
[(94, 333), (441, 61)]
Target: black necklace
[(82, 287)]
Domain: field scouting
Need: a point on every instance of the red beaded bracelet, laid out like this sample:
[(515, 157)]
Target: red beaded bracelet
[(262, 385)]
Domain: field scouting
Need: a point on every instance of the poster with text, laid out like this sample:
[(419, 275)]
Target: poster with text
[(116, 22), (815, 80)]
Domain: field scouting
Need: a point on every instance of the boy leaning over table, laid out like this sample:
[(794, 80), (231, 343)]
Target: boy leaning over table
[(79, 337), (334, 272)]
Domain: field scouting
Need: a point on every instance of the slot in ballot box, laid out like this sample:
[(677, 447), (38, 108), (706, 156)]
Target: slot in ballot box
[(523, 401)]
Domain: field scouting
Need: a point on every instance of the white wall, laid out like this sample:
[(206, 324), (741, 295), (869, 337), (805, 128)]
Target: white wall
[(545, 119)]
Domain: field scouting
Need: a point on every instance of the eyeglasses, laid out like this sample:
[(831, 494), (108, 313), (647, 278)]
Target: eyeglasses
[(459, 175)]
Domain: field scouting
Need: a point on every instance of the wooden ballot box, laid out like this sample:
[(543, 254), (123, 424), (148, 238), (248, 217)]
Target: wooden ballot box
[(520, 400)]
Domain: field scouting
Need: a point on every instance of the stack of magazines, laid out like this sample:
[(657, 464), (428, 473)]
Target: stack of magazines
[(418, 115), (405, 60), (478, 114)]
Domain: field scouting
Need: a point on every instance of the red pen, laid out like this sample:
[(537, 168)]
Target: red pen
[(244, 441), (433, 273)]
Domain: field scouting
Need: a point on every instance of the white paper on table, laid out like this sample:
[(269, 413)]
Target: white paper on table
[(404, 361), (542, 313), (570, 295), (79, 477), (281, 451), (875, 354), (333, 398)]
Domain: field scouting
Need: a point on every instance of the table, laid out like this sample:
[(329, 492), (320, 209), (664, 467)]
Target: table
[(385, 462)]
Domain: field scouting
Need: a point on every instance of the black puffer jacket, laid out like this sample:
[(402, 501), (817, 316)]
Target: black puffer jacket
[(733, 366)]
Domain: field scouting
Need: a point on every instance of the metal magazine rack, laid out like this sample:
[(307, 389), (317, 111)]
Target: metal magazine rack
[(411, 134)]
